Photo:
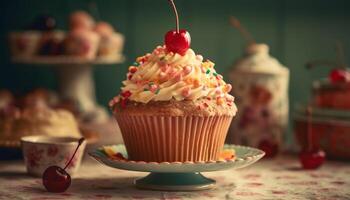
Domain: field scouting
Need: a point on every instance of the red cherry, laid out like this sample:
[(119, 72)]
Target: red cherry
[(312, 159), (56, 179), (270, 148), (177, 41), (339, 75)]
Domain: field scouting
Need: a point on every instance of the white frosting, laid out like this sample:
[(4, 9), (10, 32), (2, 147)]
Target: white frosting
[(258, 59), (163, 76)]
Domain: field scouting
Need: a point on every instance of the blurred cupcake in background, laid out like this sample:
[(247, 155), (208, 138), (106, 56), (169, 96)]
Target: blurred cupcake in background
[(24, 44), (261, 90), (34, 115), (81, 43), (35, 38), (111, 42), (81, 20), (85, 39)]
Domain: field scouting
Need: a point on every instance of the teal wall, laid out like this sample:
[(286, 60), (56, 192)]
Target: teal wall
[(297, 31)]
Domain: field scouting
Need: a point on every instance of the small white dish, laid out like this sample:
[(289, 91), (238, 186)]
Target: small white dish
[(40, 152)]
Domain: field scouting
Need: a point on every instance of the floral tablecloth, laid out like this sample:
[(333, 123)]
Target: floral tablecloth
[(279, 178)]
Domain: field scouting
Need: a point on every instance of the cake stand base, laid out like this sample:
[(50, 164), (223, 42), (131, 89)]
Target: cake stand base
[(177, 176), (175, 182)]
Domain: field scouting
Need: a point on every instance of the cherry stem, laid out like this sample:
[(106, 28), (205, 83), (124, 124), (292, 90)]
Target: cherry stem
[(176, 15), (309, 127), (81, 140), (315, 63), (246, 35)]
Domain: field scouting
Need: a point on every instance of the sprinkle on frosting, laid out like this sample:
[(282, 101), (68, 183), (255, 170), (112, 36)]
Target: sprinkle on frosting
[(165, 76)]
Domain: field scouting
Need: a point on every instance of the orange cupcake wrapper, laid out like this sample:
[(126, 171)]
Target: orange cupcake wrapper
[(173, 139)]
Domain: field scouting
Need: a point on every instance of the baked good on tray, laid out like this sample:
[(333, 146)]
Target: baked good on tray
[(33, 116), (331, 95), (111, 42), (84, 40)]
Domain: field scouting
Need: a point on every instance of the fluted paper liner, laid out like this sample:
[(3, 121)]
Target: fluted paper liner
[(173, 139)]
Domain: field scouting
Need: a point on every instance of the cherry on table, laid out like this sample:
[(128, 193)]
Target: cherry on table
[(270, 148), (177, 41), (57, 179), (312, 159)]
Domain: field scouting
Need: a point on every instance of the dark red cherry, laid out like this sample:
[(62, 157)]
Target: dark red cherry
[(270, 148), (178, 42), (56, 179), (312, 159), (339, 75)]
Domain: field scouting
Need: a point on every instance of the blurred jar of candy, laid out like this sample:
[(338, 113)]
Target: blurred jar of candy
[(260, 86)]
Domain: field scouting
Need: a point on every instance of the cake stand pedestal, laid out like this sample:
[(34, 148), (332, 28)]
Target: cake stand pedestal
[(76, 82), (178, 176), (175, 182)]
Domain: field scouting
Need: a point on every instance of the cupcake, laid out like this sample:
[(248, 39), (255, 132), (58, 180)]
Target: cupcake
[(51, 42), (24, 44), (111, 42), (81, 43), (173, 108), (81, 20)]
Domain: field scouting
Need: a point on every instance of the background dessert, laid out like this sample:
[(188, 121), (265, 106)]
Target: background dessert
[(35, 117), (85, 39), (81, 43), (111, 42), (330, 118)]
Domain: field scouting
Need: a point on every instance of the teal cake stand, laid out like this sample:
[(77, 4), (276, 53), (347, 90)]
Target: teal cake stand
[(178, 176)]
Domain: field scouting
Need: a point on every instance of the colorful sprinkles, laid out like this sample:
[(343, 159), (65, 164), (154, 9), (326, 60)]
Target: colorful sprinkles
[(168, 73)]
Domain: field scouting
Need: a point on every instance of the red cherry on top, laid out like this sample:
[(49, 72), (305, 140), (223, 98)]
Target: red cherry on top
[(177, 41), (56, 179), (339, 75), (312, 159)]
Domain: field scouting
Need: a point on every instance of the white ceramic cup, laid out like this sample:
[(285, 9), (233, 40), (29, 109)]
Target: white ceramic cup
[(41, 152)]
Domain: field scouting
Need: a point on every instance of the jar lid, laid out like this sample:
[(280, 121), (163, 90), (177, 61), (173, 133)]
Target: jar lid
[(257, 49)]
